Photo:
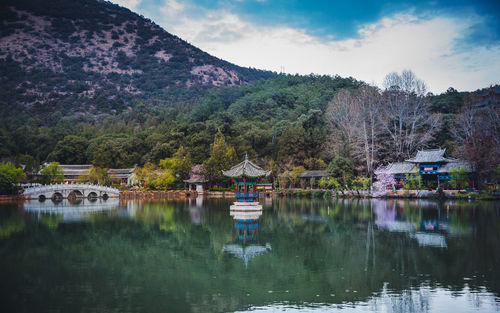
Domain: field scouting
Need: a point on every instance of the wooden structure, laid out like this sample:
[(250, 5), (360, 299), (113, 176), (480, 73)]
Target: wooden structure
[(246, 175), (72, 172), (311, 176)]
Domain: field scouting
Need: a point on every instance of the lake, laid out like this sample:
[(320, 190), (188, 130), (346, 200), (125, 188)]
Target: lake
[(299, 255)]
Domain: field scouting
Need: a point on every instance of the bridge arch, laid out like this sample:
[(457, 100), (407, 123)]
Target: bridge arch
[(92, 195), (75, 194), (57, 196), (42, 198)]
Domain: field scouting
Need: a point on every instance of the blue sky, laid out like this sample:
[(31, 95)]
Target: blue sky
[(446, 43)]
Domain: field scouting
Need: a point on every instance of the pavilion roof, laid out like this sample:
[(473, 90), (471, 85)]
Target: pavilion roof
[(75, 169), (246, 168), (429, 156), (196, 175)]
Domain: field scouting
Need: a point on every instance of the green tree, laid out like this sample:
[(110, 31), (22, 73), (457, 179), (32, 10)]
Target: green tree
[(314, 164), (153, 177), (182, 163), (460, 180), (7, 185), (52, 173), (163, 180), (342, 169), (96, 175), (360, 183), (70, 150), (166, 176), (413, 181), (292, 145), (16, 174), (295, 173), (222, 157), (330, 183)]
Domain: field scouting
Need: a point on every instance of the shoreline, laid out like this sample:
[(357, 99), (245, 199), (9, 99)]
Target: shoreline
[(296, 193)]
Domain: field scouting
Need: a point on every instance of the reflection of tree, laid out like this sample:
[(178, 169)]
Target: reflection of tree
[(11, 225), (318, 248), (157, 214), (51, 220)]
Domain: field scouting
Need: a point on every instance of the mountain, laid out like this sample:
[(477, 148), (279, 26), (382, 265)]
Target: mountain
[(92, 56)]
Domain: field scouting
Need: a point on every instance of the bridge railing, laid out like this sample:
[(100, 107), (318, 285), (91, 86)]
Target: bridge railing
[(54, 187)]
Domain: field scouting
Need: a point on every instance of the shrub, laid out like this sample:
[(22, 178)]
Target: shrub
[(327, 194), (486, 196), (317, 193), (7, 186), (221, 189)]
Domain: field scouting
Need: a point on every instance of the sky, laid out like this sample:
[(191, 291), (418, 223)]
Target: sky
[(445, 43)]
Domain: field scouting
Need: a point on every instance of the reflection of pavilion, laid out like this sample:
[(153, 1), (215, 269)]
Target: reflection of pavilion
[(195, 208), (425, 227), (246, 253), (246, 227)]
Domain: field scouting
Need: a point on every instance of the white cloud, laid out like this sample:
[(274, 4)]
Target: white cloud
[(394, 43)]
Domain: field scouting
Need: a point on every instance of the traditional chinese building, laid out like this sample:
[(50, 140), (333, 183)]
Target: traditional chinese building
[(72, 173), (196, 181), (432, 165), (246, 176)]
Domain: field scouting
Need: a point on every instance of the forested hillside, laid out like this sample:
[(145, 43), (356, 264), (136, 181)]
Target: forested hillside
[(253, 118), (87, 81), (90, 57)]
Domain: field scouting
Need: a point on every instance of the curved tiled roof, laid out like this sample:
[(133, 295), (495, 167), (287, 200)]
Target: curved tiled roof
[(429, 156), (246, 168)]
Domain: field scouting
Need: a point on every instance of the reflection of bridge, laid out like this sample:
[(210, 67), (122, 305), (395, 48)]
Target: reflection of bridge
[(62, 191), (69, 211)]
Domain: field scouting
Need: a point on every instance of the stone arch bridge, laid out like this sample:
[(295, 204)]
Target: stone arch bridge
[(64, 191)]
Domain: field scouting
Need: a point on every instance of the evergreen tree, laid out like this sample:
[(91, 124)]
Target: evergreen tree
[(341, 169), (222, 157)]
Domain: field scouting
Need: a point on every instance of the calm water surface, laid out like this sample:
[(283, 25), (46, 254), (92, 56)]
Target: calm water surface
[(298, 256)]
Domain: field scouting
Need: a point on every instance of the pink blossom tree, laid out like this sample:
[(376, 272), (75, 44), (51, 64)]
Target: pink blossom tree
[(383, 180)]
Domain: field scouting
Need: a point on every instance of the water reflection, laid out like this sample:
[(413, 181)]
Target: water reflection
[(71, 210), (245, 244), (423, 225), (302, 255), (195, 210)]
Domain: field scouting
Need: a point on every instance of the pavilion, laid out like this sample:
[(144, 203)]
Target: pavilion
[(246, 175), (433, 165)]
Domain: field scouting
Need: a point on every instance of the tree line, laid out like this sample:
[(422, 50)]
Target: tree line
[(285, 124)]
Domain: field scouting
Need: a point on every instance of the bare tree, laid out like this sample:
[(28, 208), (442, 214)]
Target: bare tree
[(406, 114), (355, 126), (367, 120), (339, 116), (477, 133)]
